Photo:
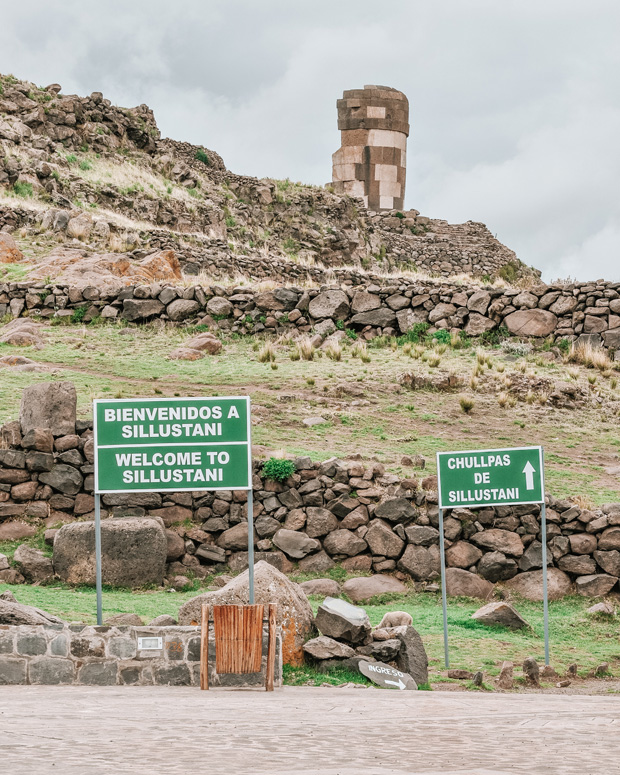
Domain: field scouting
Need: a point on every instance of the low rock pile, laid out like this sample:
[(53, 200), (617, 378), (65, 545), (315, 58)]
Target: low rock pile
[(347, 638)]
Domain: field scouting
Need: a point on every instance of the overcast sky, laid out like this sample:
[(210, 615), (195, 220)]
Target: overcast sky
[(514, 106)]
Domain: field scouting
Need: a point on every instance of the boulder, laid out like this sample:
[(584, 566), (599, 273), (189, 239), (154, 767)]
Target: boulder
[(383, 317), (319, 521), (219, 306), (15, 613), (343, 621), (295, 544), (395, 510), (531, 322), (498, 540), (15, 531), (344, 542), (462, 583), (501, 613), (422, 535), (327, 648), (495, 566), (50, 405), (141, 309), (9, 252), (64, 478), (329, 304), (531, 671), (175, 546), (411, 657), (479, 324), (462, 554), (595, 585), (33, 564), (364, 302), (235, 538), (182, 308), (321, 587), (609, 539), (582, 543), (580, 564), (602, 609), (382, 540), (609, 561), (381, 650), (294, 614), (133, 552), (364, 588), (419, 562), (529, 585), (479, 302), (164, 620), (505, 679), (316, 563)]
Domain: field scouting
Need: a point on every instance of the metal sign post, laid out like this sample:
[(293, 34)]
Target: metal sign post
[(172, 444), (491, 477)]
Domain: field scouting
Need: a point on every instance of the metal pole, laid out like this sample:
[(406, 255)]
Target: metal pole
[(98, 556), (544, 562), (251, 543), (444, 600)]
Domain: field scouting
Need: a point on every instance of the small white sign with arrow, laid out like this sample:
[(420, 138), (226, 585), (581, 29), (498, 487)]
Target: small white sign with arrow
[(386, 675)]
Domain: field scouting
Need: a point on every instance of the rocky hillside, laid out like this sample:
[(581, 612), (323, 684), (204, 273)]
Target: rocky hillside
[(82, 173)]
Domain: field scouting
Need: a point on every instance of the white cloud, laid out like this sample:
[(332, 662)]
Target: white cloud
[(514, 106)]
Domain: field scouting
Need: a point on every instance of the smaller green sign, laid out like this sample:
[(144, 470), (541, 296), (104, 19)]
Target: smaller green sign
[(490, 477), (149, 445)]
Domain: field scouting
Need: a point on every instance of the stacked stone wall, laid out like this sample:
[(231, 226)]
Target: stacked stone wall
[(110, 655), (558, 311), (336, 511)]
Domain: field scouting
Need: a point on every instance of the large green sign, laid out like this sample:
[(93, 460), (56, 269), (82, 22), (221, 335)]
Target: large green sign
[(490, 477), (144, 445)]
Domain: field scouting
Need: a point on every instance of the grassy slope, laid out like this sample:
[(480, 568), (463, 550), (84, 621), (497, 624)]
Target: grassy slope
[(364, 407)]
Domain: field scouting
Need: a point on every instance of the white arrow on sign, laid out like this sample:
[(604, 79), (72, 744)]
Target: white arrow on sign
[(529, 472), (398, 683)]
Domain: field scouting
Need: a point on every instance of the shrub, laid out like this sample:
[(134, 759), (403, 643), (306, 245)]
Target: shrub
[(442, 336), (416, 333), (509, 272), (78, 315), (202, 156), (85, 165), (71, 158), (22, 189), (278, 470)]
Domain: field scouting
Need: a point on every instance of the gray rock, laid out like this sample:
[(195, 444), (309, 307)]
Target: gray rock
[(382, 317), (382, 540), (381, 650), (505, 679), (531, 671), (33, 564), (322, 587), (329, 304), (294, 614), (422, 535), (12, 671), (495, 566), (319, 521), (295, 544), (343, 621), (365, 587), (419, 563), (411, 657), (595, 585), (577, 563), (64, 478), (463, 555), (316, 563), (182, 308), (609, 561), (462, 583), (50, 405), (501, 613), (15, 613), (235, 537), (344, 542), (395, 510), (141, 309), (133, 552), (529, 585), (499, 541), (127, 620), (324, 647), (52, 671), (531, 322)]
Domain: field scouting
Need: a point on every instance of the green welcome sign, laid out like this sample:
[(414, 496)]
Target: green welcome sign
[(490, 477), (149, 445)]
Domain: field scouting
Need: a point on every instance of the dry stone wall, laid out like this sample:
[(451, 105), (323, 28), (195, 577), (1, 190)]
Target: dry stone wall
[(557, 311), (337, 511)]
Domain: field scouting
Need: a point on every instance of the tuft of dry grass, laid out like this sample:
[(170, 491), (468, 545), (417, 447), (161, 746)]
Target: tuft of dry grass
[(466, 403), (306, 348), (334, 351), (267, 353), (589, 356), (434, 361)]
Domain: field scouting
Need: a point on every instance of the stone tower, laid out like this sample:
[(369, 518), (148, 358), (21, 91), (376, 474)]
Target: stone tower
[(371, 162)]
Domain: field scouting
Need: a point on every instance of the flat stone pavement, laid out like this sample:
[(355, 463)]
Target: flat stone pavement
[(303, 730)]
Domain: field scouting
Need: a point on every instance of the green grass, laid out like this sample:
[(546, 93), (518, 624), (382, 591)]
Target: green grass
[(575, 637)]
